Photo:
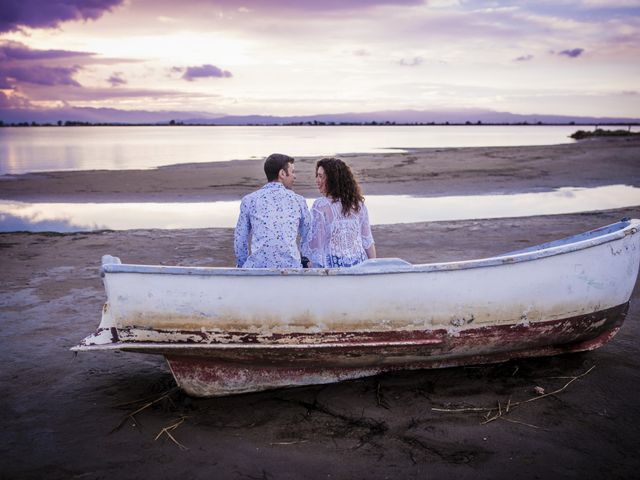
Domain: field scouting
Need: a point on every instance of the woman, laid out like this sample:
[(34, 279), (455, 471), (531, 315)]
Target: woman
[(340, 231)]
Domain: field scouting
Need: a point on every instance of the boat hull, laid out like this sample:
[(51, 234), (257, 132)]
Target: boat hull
[(215, 372)]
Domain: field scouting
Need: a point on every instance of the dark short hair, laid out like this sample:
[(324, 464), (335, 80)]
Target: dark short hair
[(274, 163)]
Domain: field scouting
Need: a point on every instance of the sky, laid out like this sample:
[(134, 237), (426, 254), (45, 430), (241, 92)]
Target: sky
[(288, 57)]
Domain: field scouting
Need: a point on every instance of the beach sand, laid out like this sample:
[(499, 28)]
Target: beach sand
[(66, 416)]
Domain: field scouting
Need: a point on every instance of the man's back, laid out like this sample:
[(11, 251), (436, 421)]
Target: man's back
[(271, 218)]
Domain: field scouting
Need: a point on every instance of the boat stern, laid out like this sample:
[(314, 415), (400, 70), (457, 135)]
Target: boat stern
[(104, 338), (106, 335)]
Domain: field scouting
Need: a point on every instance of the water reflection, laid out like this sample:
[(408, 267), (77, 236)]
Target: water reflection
[(383, 209), (119, 148), (74, 217)]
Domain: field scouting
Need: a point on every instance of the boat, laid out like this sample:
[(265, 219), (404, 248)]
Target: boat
[(232, 330)]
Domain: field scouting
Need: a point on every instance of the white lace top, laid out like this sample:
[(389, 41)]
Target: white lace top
[(338, 240)]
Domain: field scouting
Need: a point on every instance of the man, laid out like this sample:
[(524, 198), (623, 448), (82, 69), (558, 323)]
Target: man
[(271, 218)]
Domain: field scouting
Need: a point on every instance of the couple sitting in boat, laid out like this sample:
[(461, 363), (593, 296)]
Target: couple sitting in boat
[(335, 234)]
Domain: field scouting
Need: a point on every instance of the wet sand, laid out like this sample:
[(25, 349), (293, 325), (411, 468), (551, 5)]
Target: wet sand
[(61, 412)]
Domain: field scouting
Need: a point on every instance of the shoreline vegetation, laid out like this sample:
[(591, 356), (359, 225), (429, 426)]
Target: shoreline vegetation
[(313, 123), (598, 132)]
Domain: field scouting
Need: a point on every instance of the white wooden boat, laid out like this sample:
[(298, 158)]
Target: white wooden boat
[(229, 330)]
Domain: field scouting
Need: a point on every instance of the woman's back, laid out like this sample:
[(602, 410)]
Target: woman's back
[(338, 239)]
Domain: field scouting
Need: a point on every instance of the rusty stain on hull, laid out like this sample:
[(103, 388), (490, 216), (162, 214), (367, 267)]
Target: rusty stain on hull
[(226, 373)]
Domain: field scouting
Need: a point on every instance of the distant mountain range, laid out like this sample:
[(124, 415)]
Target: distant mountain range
[(126, 117)]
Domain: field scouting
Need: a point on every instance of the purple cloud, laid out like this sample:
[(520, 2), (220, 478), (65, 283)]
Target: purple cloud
[(39, 75), (204, 71), (116, 79), (524, 58), (20, 64), (18, 51), (49, 13), (576, 52)]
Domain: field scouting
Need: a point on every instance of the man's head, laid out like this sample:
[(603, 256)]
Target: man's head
[(280, 168)]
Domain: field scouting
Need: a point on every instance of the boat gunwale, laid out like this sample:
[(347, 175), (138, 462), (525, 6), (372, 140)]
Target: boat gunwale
[(624, 228)]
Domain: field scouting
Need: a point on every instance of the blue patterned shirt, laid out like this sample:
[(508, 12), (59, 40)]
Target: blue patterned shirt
[(271, 218)]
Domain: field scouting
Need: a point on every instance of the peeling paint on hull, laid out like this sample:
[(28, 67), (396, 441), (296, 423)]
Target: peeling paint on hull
[(214, 373)]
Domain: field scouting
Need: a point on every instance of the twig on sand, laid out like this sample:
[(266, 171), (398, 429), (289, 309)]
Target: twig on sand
[(132, 415), (500, 413), (289, 443), (518, 422), (380, 399), (167, 431), (146, 399)]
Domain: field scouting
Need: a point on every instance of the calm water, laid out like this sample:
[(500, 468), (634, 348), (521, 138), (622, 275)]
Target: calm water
[(383, 209), (121, 148)]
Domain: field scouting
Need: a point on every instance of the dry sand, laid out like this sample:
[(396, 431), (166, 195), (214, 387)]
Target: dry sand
[(61, 412)]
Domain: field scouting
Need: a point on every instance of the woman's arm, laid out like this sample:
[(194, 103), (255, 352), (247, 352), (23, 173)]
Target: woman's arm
[(371, 251), (365, 231), (317, 240)]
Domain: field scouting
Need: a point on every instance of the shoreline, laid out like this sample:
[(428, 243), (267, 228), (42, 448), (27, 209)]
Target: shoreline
[(419, 172)]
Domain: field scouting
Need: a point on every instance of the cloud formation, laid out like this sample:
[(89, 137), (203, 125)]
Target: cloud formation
[(21, 64), (573, 53), (33, 76), (40, 75), (17, 51), (13, 101), (364, 49), (203, 71), (17, 14)]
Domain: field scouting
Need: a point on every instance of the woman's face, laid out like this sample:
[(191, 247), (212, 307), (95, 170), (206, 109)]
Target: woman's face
[(321, 181)]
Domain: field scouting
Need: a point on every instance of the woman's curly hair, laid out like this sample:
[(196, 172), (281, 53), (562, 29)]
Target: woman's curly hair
[(341, 184)]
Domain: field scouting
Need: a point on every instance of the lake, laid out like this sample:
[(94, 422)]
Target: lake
[(37, 149), (383, 209)]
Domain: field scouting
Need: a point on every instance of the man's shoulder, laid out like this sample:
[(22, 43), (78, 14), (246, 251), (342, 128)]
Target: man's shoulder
[(287, 193), (250, 196), (273, 190), (295, 195)]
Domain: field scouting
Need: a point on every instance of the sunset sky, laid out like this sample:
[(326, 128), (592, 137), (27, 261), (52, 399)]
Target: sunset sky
[(287, 57)]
